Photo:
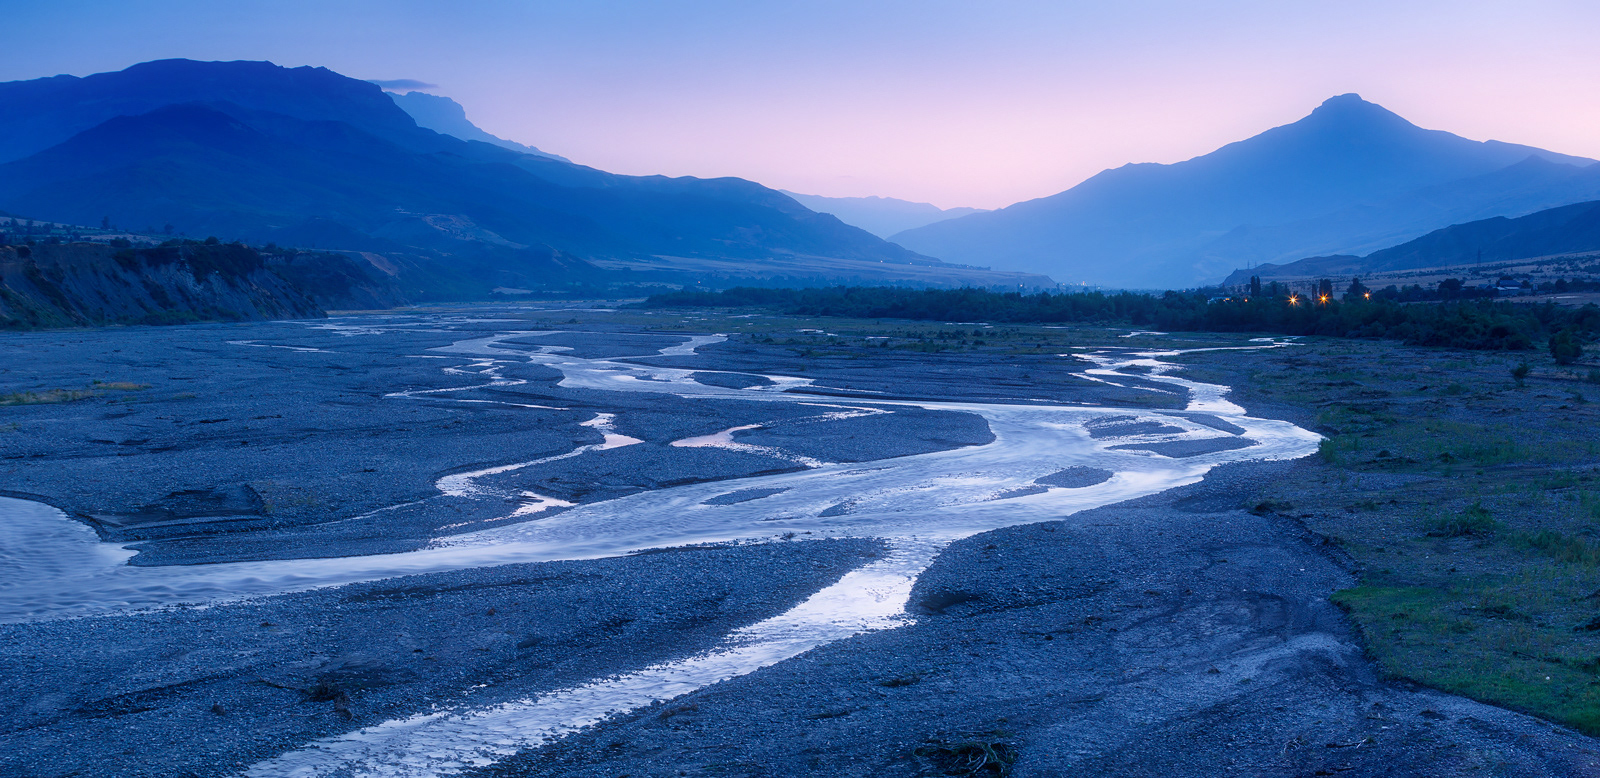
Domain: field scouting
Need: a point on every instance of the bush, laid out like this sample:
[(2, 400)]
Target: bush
[(1472, 522), (1565, 548), (1565, 347)]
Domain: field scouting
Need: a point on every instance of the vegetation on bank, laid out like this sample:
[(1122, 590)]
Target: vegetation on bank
[(1452, 320), (1463, 496), (1468, 502), (176, 282), (52, 396)]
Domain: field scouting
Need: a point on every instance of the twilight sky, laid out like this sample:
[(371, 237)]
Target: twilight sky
[(956, 103)]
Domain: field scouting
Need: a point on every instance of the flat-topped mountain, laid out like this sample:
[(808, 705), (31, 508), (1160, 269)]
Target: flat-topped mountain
[(1351, 175)]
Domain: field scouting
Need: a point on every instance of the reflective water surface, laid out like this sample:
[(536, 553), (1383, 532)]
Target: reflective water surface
[(51, 567)]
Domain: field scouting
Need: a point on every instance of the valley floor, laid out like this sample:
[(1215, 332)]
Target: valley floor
[(1185, 631)]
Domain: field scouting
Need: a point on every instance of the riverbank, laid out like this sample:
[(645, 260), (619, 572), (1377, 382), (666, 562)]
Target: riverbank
[(211, 691), (1468, 501), (1085, 618), (1175, 635)]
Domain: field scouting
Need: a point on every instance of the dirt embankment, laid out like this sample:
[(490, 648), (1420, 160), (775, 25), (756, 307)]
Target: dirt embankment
[(88, 284)]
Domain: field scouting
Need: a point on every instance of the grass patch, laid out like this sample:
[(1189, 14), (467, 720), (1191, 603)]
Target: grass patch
[(120, 386), (1474, 522), (46, 397), (1476, 641), (52, 396), (1471, 507), (1567, 549)]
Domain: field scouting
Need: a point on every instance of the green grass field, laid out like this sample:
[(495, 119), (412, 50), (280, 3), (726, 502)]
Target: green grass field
[(1469, 501)]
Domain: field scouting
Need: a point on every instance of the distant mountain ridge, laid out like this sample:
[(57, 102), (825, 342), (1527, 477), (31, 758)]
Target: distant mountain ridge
[(448, 117), (1528, 186), (309, 158), (44, 112), (1351, 174), (1568, 229), (881, 216)]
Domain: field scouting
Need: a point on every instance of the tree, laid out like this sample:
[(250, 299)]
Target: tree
[(1255, 286), (1357, 290), (1520, 372), (1565, 347)]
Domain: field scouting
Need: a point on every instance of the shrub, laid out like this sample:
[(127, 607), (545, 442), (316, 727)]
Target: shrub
[(1565, 347), (1565, 548), (1472, 522)]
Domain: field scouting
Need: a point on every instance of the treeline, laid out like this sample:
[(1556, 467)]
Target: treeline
[(1470, 324), (231, 260)]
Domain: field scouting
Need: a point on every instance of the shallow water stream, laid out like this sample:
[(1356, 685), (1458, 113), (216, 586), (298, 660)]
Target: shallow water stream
[(51, 567)]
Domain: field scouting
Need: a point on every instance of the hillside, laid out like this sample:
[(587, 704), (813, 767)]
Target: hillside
[(1569, 229), (1351, 176), (83, 284), (309, 158)]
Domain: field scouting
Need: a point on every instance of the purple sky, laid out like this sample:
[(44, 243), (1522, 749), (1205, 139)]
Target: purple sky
[(957, 103)]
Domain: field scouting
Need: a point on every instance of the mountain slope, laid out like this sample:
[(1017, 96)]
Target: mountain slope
[(881, 216), (1532, 185), (1569, 229), (44, 112), (447, 117), (1151, 224), (346, 168)]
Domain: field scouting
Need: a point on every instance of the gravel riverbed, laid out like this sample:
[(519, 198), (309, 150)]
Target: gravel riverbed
[(1174, 634)]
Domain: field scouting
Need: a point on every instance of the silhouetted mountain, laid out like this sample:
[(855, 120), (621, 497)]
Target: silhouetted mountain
[(1569, 229), (446, 116), (309, 158), (44, 112), (1531, 185), (1347, 176), (881, 216)]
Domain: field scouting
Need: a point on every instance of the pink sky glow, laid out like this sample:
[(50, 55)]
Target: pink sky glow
[(955, 103)]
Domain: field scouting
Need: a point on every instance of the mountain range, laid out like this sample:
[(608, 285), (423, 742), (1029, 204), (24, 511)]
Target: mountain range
[(448, 117), (310, 158), (1349, 178), (881, 216), (1568, 229)]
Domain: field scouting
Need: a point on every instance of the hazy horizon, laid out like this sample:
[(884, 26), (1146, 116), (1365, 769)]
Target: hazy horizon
[(938, 103)]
